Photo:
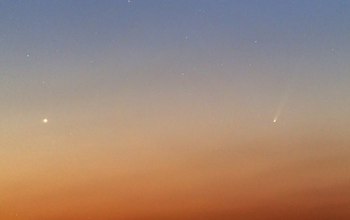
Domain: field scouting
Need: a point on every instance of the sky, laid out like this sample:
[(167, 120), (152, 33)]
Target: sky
[(164, 109)]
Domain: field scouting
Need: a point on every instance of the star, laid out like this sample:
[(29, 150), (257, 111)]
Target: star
[(45, 120)]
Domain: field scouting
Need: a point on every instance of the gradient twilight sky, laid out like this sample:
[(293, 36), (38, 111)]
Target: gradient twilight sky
[(147, 109)]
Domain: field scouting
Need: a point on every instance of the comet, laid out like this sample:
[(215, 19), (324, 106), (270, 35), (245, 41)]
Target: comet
[(280, 108)]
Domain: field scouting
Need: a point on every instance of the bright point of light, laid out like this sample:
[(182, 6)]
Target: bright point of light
[(274, 120), (45, 120)]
